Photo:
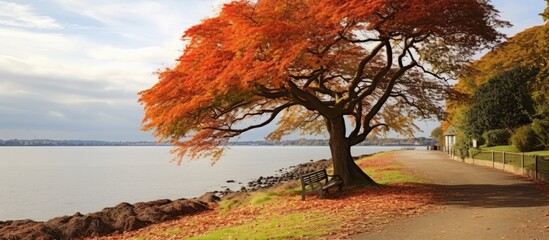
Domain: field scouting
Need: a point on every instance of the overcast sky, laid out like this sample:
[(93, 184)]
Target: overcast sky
[(71, 69)]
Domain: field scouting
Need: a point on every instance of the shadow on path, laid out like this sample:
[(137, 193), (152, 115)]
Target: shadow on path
[(492, 196), (484, 195)]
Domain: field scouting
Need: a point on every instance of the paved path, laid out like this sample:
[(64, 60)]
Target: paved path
[(482, 203)]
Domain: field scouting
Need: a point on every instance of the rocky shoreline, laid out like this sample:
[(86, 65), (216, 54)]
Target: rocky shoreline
[(127, 217)]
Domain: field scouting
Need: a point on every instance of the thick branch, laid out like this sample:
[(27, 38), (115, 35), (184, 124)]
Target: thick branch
[(362, 65), (236, 132), (219, 112), (377, 107), (309, 100), (358, 121), (270, 93), (377, 78)]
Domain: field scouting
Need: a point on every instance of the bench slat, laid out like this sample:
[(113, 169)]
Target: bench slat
[(314, 181)]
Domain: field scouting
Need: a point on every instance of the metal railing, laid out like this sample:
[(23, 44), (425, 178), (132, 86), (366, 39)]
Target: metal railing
[(535, 166)]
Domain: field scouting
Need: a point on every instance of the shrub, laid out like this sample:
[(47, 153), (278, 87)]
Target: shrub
[(525, 139), (541, 128), (473, 152), (496, 137)]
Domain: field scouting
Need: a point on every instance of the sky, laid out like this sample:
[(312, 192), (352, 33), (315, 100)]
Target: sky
[(71, 69)]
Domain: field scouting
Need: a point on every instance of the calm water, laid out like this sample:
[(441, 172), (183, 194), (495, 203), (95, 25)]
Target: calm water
[(43, 182)]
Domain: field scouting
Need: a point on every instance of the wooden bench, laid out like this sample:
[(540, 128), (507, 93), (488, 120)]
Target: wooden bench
[(313, 183)]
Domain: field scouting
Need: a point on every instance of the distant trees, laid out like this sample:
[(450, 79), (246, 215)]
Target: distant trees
[(504, 102), (496, 137), (438, 134), (483, 112)]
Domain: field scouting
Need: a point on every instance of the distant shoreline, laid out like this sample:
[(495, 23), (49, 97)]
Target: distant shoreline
[(422, 141)]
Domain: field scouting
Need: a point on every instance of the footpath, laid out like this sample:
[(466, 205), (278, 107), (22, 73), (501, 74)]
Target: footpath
[(478, 203)]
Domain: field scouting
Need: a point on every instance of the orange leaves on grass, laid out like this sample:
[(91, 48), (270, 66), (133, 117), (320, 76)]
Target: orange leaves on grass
[(377, 161), (351, 211)]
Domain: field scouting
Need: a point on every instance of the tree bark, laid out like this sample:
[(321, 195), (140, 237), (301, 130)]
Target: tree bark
[(343, 162)]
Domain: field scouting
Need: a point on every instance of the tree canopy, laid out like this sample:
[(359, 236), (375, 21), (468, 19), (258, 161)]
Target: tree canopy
[(527, 49), (504, 102), (309, 64)]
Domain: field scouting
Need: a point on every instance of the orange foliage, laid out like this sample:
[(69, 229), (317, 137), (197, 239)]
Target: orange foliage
[(379, 62)]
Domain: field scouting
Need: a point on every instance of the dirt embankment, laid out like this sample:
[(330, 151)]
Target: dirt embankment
[(122, 217)]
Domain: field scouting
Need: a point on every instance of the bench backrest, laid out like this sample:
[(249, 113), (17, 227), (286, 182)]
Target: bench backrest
[(314, 177)]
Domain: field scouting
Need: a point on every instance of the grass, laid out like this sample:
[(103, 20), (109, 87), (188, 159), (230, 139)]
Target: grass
[(512, 157), (386, 174), (295, 225), (509, 148), (251, 199), (227, 204), (390, 174), (261, 197), (505, 148), (540, 153), (278, 213)]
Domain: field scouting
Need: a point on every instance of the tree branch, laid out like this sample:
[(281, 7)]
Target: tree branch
[(309, 100), (375, 109), (236, 132), (376, 80), (362, 65)]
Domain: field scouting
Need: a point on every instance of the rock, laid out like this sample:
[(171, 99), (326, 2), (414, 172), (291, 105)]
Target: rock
[(93, 225), (230, 181), (209, 197), (123, 217)]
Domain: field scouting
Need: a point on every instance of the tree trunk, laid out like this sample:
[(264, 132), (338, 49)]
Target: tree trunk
[(344, 164)]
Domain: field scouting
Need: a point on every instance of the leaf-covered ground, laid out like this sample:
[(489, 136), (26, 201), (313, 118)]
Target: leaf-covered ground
[(280, 214)]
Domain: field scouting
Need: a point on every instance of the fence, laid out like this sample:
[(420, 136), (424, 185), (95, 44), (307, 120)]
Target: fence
[(536, 167)]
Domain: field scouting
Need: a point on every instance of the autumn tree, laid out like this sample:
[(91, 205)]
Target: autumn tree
[(348, 67)]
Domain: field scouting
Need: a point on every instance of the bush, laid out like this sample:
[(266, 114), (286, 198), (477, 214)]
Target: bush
[(541, 128), (496, 137), (525, 139), (473, 152)]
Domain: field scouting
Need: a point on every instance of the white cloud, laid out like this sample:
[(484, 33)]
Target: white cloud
[(74, 67), (56, 114), (110, 53), (23, 16), (141, 21), (70, 57)]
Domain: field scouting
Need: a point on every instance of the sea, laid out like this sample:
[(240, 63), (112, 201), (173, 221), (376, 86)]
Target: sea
[(40, 183)]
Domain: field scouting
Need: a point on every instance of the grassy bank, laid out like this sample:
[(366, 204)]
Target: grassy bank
[(509, 148), (279, 213)]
